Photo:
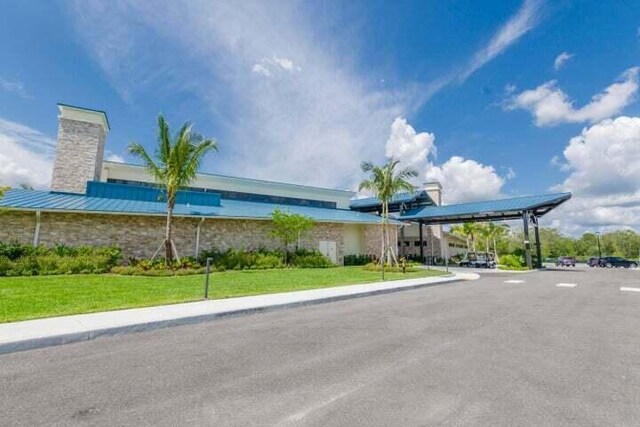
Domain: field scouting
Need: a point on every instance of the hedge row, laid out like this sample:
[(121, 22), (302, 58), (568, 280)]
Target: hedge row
[(29, 260), (233, 259)]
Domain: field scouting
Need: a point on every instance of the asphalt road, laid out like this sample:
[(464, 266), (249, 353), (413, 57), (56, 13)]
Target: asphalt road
[(472, 353)]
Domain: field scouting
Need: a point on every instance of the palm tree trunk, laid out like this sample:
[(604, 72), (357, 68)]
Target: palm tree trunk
[(168, 250)]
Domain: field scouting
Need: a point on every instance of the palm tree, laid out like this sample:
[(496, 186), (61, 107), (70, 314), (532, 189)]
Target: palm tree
[(385, 182), (174, 165), (496, 231), (470, 229), (484, 231)]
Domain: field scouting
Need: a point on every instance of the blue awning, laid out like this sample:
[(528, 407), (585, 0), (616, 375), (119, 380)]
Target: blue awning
[(502, 209)]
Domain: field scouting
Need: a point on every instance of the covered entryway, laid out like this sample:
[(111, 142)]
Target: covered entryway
[(529, 208)]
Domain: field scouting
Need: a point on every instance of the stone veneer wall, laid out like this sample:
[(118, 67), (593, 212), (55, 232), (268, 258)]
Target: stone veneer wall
[(78, 155), (140, 236), (373, 239)]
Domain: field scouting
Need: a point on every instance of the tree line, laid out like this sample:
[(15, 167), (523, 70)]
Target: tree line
[(501, 239)]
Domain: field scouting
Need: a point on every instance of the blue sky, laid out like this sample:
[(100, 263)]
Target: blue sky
[(491, 98)]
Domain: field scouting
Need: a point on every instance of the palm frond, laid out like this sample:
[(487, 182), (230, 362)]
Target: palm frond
[(156, 172)]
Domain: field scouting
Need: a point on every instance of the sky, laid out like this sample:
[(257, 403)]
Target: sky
[(492, 99)]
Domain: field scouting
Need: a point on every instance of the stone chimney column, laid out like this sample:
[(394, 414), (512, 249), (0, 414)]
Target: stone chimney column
[(80, 148), (434, 190)]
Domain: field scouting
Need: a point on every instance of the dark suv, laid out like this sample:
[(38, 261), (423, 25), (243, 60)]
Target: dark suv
[(614, 261), (566, 261), (593, 262)]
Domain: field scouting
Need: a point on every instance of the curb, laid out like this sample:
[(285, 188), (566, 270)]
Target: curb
[(78, 336)]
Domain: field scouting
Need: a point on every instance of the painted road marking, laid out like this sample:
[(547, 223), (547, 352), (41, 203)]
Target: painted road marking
[(624, 289), (514, 281), (566, 285)]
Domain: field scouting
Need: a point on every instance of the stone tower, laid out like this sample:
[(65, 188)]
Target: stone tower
[(80, 148)]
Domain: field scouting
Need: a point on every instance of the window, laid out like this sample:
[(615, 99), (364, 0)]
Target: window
[(416, 243)]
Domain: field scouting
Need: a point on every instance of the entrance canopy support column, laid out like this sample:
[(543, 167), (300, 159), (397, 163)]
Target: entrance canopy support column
[(421, 245), (538, 243), (527, 241)]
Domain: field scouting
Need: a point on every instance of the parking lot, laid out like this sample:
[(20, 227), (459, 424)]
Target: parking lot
[(559, 347)]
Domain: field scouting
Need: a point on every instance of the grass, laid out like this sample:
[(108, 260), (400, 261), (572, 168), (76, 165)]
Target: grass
[(23, 298)]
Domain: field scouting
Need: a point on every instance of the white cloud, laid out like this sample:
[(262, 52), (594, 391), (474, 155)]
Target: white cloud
[(465, 180), (561, 60), (26, 156), (113, 157), (14, 86), (286, 64), (517, 26), (604, 165), (408, 146), (549, 105), (324, 121), (509, 88), (462, 179), (261, 69), (267, 67)]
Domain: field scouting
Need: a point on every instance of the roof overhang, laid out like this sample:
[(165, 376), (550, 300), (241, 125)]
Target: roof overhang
[(492, 210)]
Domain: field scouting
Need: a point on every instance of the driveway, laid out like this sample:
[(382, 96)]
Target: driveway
[(545, 348)]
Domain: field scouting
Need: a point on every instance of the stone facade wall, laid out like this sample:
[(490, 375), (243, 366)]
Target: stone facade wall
[(78, 155), (17, 226), (140, 236), (433, 244), (373, 239)]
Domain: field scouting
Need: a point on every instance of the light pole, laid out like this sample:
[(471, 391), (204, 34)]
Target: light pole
[(599, 248)]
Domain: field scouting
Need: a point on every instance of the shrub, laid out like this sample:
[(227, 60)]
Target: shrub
[(5, 265), (310, 260), (233, 259), (389, 268), (266, 261), (512, 262), (357, 259), (27, 260)]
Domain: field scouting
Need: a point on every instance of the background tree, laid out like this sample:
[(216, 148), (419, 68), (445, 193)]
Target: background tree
[(2, 191), (174, 165), (497, 232), (468, 230), (289, 228), (459, 231), (385, 182)]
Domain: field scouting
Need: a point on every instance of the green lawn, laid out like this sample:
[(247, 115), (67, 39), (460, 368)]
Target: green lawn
[(24, 298)]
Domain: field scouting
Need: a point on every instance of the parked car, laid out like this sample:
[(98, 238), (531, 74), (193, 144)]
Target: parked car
[(478, 260), (566, 261), (614, 261), (593, 262)]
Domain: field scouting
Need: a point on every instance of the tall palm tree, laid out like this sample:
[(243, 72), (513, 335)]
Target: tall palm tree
[(174, 165), (385, 182), (470, 229), (484, 231), (496, 231)]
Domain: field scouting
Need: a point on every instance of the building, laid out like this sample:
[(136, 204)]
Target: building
[(97, 202)]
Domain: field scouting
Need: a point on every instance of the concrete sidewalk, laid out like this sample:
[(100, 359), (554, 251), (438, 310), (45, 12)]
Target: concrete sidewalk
[(32, 334)]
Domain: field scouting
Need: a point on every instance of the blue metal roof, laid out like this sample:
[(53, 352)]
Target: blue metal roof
[(67, 202), (492, 209), (398, 198)]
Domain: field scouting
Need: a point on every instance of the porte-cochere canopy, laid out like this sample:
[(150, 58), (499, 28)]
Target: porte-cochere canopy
[(418, 207), (490, 210)]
